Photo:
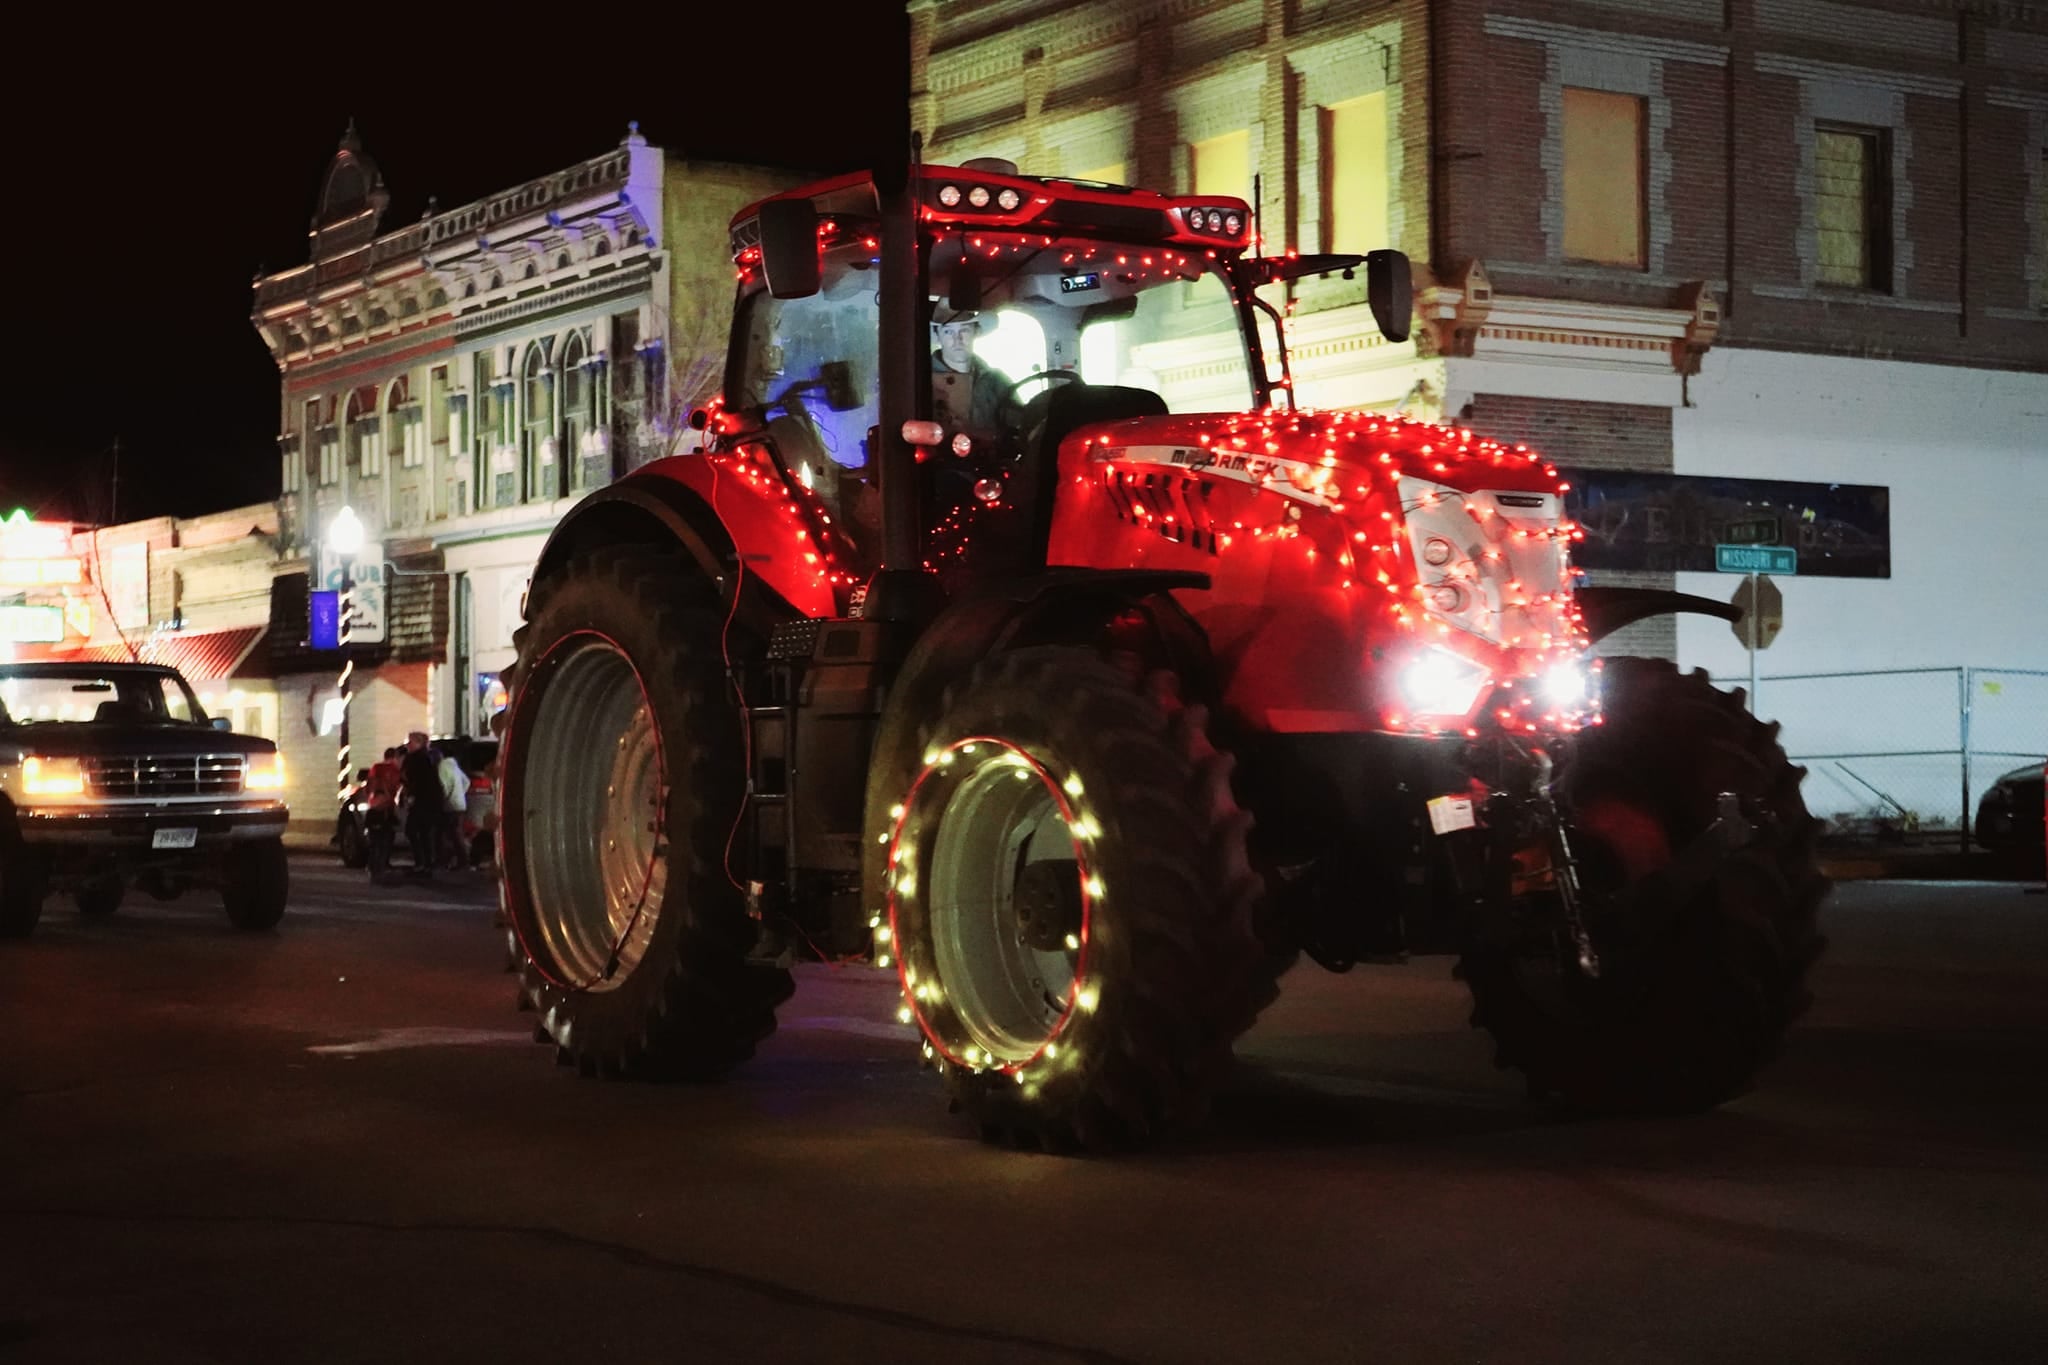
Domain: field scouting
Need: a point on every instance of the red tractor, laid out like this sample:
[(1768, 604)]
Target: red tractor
[(1085, 682)]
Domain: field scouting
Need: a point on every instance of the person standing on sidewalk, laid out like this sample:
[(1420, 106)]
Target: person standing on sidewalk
[(420, 771), (454, 805)]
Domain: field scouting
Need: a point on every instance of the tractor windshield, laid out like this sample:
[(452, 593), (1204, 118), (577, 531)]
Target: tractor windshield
[(1149, 317)]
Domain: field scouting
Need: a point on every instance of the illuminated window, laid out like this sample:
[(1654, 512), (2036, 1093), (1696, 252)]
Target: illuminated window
[(1222, 165), (1851, 207), (1603, 178), (1112, 174), (365, 446), (1354, 173), (538, 439)]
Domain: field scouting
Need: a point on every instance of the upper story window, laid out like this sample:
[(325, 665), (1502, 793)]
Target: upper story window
[(1852, 206), (2039, 217), (1353, 173), (1603, 178), (1222, 165)]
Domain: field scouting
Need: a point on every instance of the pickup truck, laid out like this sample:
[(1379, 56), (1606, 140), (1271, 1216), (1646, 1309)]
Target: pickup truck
[(112, 776)]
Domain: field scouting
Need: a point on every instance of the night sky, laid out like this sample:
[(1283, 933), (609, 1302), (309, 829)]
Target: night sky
[(148, 183)]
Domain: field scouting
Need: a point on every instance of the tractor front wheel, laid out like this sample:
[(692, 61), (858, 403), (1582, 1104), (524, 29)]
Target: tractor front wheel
[(1070, 902), (1701, 971), (624, 777)]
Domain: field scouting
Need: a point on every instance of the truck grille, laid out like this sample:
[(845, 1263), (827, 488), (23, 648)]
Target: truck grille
[(177, 775)]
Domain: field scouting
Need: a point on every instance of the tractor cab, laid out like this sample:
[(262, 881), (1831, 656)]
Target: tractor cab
[(1039, 306)]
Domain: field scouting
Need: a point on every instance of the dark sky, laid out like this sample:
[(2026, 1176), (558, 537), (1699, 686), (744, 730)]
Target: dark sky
[(150, 173)]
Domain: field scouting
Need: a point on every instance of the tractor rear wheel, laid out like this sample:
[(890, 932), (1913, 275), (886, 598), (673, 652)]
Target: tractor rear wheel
[(624, 775), (1696, 989), (1071, 902)]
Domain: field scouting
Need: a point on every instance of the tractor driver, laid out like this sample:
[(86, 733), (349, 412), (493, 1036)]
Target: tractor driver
[(965, 390)]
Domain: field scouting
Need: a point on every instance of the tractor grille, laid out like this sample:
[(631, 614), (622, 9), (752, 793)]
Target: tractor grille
[(177, 775)]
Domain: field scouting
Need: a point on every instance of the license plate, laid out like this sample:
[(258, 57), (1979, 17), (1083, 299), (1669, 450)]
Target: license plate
[(174, 838)]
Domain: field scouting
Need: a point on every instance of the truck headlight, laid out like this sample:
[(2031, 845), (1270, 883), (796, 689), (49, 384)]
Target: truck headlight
[(52, 776), (1444, 684), (265, 774)]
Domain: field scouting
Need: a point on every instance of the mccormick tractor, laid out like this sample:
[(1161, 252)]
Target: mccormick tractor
[(1085, 682)]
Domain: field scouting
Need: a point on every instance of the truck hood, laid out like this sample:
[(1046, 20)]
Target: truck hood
[(83, 740)]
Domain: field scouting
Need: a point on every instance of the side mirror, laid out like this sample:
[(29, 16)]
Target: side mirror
[(1390, 292), (222, 723), (789, 247)]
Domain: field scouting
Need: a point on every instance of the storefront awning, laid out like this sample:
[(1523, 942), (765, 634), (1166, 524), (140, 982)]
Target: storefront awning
[(201, 655)]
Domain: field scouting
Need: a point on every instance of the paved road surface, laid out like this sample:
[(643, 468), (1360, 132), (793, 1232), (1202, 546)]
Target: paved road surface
[(337, 1144)]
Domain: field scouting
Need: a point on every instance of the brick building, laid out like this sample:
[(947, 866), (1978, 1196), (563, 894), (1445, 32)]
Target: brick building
[(459, 383), (1791, 239)]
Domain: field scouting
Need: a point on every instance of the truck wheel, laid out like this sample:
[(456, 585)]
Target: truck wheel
[(255, 883), (354, 849), (23, 885), (1694, 993), (99, 898), (624, 776), (1071, 903)]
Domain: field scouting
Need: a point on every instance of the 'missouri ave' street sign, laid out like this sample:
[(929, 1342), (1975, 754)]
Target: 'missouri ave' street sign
[(1778, 559)]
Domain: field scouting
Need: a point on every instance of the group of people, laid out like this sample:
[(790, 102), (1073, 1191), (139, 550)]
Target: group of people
[(432, 792)]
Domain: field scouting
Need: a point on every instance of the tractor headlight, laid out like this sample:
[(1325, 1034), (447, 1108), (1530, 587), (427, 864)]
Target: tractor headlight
[(265, 774), (1445, 685), (52, 776), (1567, 684)]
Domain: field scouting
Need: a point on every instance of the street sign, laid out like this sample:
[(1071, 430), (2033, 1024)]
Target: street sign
[(366, 614), (1778, 559), (365, 566), (1761, 596), (1752, 531)]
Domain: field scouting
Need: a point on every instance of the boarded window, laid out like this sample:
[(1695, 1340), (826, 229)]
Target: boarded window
[(1354, 173), (1222, 165), (1851, 207), (1603, 178)]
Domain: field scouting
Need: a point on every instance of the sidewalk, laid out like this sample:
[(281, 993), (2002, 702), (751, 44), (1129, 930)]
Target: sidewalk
[(1866, 862)]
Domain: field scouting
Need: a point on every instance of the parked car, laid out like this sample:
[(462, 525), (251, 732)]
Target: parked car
[(365, 837), (112, 775), (2009, 814)]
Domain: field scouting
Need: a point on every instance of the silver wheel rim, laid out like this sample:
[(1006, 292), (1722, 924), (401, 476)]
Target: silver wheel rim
[(1009, 997), (593, 819)]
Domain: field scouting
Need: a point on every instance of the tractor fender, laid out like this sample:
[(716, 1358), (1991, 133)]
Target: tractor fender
[(1060, 605), (1606, 610), (650, 508)]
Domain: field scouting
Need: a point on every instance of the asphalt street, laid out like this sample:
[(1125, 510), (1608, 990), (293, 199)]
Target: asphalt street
[(338, 1143)]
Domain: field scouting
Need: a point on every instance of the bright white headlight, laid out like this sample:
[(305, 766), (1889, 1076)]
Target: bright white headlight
[(1566, 683), (1441, 683)]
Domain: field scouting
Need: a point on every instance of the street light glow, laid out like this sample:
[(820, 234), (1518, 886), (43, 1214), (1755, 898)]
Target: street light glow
[(345, 532)]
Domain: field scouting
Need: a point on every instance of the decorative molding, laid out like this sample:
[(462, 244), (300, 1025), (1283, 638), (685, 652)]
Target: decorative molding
[(1907, 82), (1468, 319), (2015, 315), (1598, 40), (1860, 300), (2012, 97)]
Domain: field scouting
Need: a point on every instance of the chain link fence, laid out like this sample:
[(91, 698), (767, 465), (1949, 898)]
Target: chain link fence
[(1905, 752)]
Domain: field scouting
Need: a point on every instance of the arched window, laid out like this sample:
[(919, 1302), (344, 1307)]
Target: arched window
[(583, 442), (600, 247), (538, 438), (362, 432), (402, 427)]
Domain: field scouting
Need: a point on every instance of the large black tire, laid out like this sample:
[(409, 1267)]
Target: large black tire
[(1165, 972), (349, 840), (1694, 995), (100, 898), (683, 1000), (24, 883), (256, 880)]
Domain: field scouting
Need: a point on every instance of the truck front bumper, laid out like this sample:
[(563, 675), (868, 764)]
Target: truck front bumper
[(151, 828)]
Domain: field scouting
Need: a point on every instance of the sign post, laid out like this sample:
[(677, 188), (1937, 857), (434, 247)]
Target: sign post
[(1763, 606)]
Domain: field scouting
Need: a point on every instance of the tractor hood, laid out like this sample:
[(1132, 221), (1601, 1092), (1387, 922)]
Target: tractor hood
[(1350, 535)]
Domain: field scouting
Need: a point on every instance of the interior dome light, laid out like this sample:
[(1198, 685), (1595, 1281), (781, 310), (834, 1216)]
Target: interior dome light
[(1008, 200), (978, 196), (949, 195)]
